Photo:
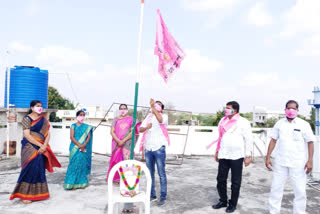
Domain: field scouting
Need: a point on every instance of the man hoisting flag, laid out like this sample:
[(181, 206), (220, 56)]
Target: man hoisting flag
[(167, 49)]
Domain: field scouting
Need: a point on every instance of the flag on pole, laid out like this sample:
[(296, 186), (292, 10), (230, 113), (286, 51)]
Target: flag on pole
[(167, 49)]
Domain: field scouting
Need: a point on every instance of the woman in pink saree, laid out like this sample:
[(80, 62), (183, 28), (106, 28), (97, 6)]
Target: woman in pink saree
[(121, 139)]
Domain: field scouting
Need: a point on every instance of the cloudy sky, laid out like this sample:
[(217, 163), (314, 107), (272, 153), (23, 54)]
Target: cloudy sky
[(258, 52)]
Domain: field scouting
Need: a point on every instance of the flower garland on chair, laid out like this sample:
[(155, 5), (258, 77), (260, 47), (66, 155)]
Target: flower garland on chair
[(125, 180)]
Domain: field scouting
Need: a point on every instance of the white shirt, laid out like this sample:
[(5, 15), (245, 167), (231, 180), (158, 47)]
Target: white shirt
[(292, 142), (237, 142), (154, 137)]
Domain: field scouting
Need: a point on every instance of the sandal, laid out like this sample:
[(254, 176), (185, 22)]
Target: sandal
[(26, 201), (128, 211)]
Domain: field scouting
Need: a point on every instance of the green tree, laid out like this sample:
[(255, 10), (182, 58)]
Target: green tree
[(270, 122), (182, 118), (57, 101), (219, 115), (247, 115), (141, 114), (312, 118), (171, 114), (207, 120)]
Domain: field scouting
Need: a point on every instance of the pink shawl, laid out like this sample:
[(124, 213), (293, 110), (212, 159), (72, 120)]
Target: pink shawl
[(224, 126), (162, 126)]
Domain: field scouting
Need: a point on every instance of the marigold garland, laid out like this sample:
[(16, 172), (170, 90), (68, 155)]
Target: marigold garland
[(125, 180)]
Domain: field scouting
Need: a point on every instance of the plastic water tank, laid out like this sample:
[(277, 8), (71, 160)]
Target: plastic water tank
[(27, 83)]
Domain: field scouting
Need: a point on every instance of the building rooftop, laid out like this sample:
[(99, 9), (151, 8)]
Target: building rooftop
[(191, 190)]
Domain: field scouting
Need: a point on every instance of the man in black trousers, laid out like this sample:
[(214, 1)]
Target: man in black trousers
[(234, 147)]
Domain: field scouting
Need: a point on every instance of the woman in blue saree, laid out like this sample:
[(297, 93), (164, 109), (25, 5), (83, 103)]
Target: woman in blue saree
[(36, 157), (80, 154)]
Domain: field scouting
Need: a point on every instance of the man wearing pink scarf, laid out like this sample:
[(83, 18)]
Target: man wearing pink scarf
[(234, 147), (155, 139)]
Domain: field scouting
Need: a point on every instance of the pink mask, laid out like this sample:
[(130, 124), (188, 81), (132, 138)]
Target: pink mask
[(38, 109), (123, 112), (228, 112), (291, 113), (80, 119), (157, 107)]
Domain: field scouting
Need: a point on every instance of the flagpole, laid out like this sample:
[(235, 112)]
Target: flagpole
[(137, 79)]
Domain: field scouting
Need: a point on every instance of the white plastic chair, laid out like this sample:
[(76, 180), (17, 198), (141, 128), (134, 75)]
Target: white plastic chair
[(114, 197)]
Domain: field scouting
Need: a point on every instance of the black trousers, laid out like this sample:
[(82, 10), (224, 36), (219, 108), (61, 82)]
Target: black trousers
[(236, 175)]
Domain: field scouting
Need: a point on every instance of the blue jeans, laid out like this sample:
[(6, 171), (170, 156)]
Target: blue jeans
[(157, 157)]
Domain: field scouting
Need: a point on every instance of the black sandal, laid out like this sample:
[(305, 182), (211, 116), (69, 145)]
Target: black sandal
[(128, 211)]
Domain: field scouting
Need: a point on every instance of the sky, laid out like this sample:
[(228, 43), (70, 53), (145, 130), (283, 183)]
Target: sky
[(257, 52)]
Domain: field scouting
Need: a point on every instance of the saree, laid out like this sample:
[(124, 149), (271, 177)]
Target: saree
[(32, 184), (122, 128), (79, 162)]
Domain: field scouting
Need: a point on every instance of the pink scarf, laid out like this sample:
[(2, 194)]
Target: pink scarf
[(162, 126), (224, 126)]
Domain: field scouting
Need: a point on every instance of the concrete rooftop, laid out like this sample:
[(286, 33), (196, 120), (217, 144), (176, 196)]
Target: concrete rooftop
[(191, 190)]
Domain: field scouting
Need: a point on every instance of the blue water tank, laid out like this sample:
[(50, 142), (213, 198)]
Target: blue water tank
[(27, 83)]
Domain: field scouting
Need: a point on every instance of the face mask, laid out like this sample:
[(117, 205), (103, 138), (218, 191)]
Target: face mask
[(80, 119), (228, 112), (37, 109), (291, 113), (157, 107), (123, 112)]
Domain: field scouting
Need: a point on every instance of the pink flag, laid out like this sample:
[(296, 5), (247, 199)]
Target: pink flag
[(169, 52)]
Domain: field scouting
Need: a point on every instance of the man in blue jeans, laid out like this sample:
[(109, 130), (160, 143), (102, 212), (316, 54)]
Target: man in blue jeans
[(156, 140)]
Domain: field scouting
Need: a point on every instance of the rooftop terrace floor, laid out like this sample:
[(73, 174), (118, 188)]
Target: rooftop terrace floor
[(191, 190)]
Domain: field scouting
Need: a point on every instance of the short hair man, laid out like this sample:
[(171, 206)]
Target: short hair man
[(233, 149), (294, 139)]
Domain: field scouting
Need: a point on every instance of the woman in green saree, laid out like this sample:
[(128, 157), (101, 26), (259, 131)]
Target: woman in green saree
[(80, 154)]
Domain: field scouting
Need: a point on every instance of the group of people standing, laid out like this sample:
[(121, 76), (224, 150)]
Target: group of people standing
[(154, 140), (293, 139), (36, 155), (291, 136)]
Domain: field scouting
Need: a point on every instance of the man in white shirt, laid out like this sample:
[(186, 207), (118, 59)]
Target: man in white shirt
[(155, 147), (234, 148), (294, 140)]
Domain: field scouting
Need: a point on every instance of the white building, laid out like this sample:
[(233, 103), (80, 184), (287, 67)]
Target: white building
[(262, 114), (94, 115)]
